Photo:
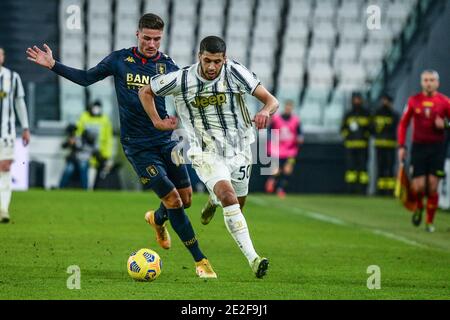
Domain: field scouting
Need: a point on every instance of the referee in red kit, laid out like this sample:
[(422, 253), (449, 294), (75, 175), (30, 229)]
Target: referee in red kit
[(430, 111)]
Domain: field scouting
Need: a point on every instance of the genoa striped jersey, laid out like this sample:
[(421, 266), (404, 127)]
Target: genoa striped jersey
[(213, 112), (11, 88)]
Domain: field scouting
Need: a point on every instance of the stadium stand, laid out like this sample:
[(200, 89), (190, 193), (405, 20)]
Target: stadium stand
[(313, 52)]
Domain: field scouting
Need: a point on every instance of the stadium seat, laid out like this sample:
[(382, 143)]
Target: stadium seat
[(349, 12), (296, 31), (237, 49), (310, 114), (324, 32), (319, 53), (100, 10), (241, 10), (210, 28), (294, 53), (265, 30), (383, 36), (371, 58), (300, 10), (158, 7), (72, 100), (345, 53), (184, 10), (98, 49), (211, 18), (352, 32), (352, 77), (332, 116), (128, 10), (325, 11)]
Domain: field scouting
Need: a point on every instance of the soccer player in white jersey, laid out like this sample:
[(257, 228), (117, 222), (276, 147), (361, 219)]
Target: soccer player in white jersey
[(210, 102), (11, 96)]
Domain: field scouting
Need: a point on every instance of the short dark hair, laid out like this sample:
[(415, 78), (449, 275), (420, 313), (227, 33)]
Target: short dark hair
[(213, 44), (151, 21)]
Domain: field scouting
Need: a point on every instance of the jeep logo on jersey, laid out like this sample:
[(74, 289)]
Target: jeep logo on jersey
[(214, 100), (137, 80)]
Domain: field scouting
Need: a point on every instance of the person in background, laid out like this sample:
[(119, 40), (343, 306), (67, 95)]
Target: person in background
[(384, 128), (355, 130), (430, 111), (100, 127), (81, 149), (12, 97), (290, 138)]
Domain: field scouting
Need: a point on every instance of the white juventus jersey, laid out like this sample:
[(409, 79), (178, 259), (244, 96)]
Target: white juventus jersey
[(10, 89), (213, 112)]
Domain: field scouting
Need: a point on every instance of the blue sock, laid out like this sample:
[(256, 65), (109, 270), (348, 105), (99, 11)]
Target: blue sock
[(161, 215), (182, 226)]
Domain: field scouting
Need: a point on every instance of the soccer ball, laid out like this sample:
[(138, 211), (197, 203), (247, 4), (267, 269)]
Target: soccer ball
[(144, 265)]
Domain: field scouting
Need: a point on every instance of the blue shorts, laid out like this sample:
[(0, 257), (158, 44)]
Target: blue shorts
[(155, 168)]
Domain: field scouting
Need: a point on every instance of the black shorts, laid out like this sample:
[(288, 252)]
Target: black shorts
[(155, 168), (428, 159)]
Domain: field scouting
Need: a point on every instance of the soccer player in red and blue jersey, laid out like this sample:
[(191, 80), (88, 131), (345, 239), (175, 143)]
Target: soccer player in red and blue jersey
[(148, 149), (290, 139), (430, 111)]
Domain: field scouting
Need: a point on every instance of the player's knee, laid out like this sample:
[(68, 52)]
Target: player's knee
[(187, 200), (228, 198), (172, 200), (5, 167)]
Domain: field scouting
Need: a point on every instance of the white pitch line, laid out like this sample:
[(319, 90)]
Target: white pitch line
[(337, 221)]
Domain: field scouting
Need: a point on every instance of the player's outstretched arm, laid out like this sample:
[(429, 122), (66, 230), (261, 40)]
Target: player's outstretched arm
[(148, 102), (81, 77), (42, 58), (270, 107)]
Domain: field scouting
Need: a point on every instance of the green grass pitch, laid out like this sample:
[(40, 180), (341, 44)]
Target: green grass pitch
[(319, 247)]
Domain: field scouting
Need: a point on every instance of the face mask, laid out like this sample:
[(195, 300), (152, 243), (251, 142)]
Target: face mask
[(96, 111)]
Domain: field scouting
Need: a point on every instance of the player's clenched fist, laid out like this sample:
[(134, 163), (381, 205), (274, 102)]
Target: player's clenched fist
[(262, 119)]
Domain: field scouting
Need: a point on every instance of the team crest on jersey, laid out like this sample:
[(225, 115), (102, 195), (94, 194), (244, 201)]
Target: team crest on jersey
[(161, 68), (2, 94), (214, 100), (152, 171), (130, 59)]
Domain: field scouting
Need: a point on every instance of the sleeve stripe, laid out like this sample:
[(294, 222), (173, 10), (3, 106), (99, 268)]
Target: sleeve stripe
[(220, 114), (201, 109), (241, 79), (184, 90), (233, 108), (167, 87)]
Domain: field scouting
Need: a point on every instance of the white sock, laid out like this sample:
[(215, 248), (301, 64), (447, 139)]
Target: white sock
[(237, 227), (5, 193)]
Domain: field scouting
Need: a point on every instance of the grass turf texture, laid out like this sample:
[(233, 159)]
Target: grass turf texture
[(319, 248)]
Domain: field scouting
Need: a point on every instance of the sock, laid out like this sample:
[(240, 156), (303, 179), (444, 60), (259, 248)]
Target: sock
[(237, 227), (182, 226), (418, 197), (161, 215), (5, 192), (432, 204), (283, 181)]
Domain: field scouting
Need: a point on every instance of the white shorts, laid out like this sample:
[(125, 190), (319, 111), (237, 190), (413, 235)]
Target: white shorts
[(7, 149), (212, 168)]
